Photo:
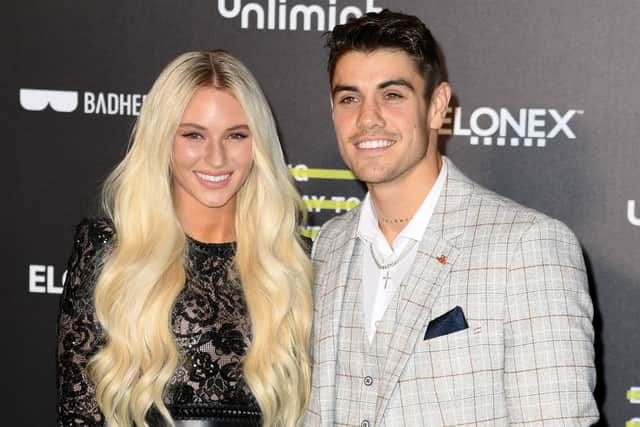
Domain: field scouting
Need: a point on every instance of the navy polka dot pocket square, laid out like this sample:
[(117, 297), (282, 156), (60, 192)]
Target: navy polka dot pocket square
[(448, 323)]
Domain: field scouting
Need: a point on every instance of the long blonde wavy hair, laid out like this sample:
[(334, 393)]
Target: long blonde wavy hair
[(143, 272)]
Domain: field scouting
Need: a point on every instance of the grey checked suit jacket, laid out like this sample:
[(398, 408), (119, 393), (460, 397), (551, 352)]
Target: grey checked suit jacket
[(527, 357)]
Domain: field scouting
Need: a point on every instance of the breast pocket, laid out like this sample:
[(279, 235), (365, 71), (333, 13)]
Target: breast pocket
[(446, 355), (454, 367)]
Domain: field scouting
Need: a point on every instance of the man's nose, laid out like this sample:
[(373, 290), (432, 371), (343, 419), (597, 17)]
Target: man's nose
[(370, 116)]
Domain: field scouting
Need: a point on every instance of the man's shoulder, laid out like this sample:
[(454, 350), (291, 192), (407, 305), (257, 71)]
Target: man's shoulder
[(488, 199), (490, 207), (338, 229), (340, 224), (483, 206)]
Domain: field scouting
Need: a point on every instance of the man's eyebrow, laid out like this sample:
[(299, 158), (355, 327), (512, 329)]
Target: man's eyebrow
[(396, 82), (383, 85), (343, 88)]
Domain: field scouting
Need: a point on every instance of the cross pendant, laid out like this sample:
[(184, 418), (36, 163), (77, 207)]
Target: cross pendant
[(386, 278)]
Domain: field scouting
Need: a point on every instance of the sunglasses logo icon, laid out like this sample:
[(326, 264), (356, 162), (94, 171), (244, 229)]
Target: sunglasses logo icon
[(62, 101)]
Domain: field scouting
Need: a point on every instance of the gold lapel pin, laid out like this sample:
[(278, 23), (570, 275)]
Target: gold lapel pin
[(442, 259)]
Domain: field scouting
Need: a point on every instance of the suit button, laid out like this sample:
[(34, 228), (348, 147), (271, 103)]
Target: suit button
[(368, 380), (364, 423)]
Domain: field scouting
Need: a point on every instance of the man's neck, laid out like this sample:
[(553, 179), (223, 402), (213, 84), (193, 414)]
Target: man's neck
[(395, 203)]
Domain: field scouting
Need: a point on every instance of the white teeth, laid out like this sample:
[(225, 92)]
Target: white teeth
[(376, 143), (213, 178)]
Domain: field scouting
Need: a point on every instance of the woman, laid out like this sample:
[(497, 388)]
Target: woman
[(191, 299)]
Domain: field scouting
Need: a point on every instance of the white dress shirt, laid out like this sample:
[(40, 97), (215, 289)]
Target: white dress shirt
[(375, 296)]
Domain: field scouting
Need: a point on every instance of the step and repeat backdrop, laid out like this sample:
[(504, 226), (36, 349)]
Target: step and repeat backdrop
[(545, 111)]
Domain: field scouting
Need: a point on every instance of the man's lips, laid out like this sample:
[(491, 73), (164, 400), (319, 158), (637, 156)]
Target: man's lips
[(373, 144)]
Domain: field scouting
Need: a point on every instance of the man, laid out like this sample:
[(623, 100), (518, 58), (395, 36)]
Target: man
[(438, 302)]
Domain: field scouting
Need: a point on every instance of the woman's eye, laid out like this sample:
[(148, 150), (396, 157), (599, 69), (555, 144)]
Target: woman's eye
[(193, 135), (238, 135)]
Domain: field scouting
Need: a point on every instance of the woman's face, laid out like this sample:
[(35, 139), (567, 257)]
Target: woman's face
[(212, 153)]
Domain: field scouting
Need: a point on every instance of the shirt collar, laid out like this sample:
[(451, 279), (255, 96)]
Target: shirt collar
[(368, 224), (369, 230)]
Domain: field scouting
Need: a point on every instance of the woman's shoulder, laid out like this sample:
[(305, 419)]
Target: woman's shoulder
[(92, 237), (96, 231)]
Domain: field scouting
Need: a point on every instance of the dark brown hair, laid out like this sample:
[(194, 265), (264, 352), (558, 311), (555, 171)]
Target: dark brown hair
[(388, 30)]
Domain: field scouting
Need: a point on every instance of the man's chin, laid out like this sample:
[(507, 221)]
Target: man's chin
[(372, 177)]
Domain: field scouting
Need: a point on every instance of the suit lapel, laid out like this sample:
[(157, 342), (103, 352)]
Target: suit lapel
[(422, 288), (436, 255)]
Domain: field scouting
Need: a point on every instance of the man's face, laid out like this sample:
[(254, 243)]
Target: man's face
[(380, 114)]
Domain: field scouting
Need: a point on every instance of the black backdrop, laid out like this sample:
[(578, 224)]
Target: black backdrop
[(569, 67)]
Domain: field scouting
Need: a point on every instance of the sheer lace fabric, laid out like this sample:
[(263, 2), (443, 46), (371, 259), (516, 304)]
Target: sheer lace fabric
[(210, 324)]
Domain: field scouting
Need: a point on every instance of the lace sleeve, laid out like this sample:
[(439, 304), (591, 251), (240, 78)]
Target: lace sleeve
[(79, 334)]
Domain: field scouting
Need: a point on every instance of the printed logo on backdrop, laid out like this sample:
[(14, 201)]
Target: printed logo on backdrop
[(632, 214), (527, 127), (633, 395), (66, 101), (281, 15), (42, 279), (333, 204), (62, 101)]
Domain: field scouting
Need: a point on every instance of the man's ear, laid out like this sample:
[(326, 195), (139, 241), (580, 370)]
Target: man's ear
[(439, 103)]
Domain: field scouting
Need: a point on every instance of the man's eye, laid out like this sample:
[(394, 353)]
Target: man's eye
[(393, 95), (347, 100)]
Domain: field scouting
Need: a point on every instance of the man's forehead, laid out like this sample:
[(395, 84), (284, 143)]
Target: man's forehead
[(377, 68)]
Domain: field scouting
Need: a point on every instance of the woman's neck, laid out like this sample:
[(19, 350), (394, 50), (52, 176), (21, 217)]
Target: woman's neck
[(206, 224)]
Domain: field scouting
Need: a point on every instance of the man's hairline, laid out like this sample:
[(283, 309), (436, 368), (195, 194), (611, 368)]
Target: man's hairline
[(367, 51)]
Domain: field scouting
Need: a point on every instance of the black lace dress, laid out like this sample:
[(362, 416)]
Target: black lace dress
[(210, 325)]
